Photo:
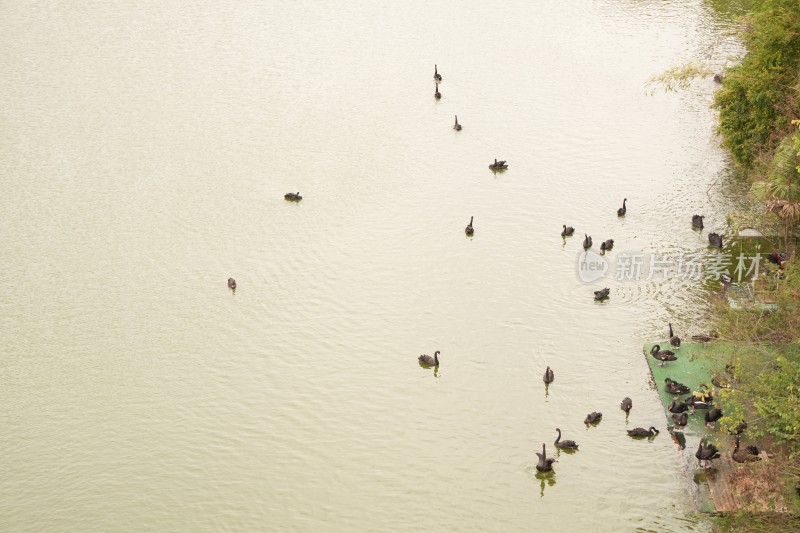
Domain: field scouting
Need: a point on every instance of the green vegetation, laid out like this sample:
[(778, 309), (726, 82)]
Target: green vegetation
[(758, 98), (757, 523), (758, 108)]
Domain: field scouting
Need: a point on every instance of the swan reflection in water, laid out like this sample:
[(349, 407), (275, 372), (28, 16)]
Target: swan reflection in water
[(678, 437), (435, 369), (548, 478)]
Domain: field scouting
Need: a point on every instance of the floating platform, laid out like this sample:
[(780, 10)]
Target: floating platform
[(696, 364), (712, 490)]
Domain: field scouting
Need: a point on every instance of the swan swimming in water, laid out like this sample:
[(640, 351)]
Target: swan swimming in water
[(641, 432), (428, 360), (587, 241), (232, 284), (292, 196), (593, 418), (622, 210), (626, 404), (607, 245), (545, 464), (436, 75), (567, 231), (715, 239), (565, 444), (437, 94), (469, 230), (601, 294), (548, 375), (697, 221), (457, 126)]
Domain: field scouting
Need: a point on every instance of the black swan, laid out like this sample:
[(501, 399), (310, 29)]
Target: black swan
[(674, 340), (437, 94), (567, 231), (715, 239), (746, 455), (777, 258), (593, 418), (695, 403), (740, 427), (565, 444), (673, 387), (457, 126), (469, 230), (697, 221), (702, 337), (428, 360), (705, 453), (436, 75), (712, 415), (626, 404), (607, 245), (601, 294), (680, 419), (677, 407), (292, 196), (718, 78), (545, 464), (641, 432), (548, 375), (622, 210), (587, 242), (231, 283), (662, 355), (498, 165)]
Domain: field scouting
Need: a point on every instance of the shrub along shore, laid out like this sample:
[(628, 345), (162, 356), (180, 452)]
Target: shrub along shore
[(759, 108)]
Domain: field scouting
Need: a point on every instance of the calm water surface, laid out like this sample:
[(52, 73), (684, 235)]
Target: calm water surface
[(144, 154)]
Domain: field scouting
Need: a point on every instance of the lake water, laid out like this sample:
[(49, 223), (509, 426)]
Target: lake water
[(144, 154)]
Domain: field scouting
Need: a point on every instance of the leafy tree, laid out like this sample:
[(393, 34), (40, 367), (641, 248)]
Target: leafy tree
[(757, 99)]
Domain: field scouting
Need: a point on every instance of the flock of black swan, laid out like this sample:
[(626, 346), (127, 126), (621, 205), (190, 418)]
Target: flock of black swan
[(680, 409), (714, 239)]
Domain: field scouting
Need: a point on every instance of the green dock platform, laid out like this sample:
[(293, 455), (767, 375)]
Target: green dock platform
[(696, 364)]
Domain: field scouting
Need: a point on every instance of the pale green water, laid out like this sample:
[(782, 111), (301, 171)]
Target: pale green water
[(144, 152)]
